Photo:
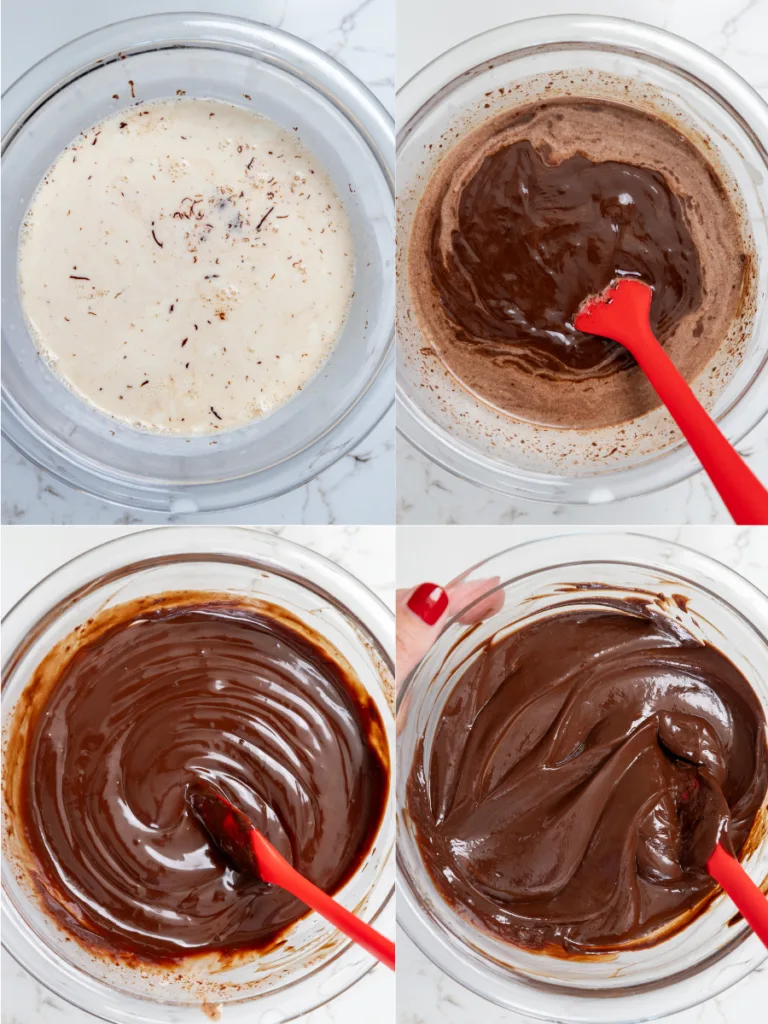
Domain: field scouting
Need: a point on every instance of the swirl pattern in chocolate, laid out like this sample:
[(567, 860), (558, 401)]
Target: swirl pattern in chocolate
[(581, 773), (542, 207), (164, 693)]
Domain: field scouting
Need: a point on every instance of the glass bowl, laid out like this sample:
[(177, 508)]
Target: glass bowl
[(317, 963), (595, 57), (351, 134), (715, 950)]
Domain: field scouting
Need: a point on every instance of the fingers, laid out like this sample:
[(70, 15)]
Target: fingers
[(419, 627), (428, 601), (462, 594), (423, 611)]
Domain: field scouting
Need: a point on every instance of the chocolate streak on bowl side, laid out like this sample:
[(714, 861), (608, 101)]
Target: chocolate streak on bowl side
[(543, 206), (580, 774), (162, 692)]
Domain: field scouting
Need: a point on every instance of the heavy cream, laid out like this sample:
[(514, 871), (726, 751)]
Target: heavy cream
[(186, 266)]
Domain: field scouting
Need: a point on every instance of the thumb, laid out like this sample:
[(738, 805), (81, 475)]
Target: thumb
[(420, 615), (423, 611)]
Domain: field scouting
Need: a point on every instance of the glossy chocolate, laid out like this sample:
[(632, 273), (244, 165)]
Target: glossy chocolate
[(170, 692), (582, 771), (545, 206), (534, 239)]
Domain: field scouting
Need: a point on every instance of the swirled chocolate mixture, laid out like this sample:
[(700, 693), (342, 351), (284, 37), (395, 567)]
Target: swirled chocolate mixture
[(168, 692), (582, 771), (542, 207)]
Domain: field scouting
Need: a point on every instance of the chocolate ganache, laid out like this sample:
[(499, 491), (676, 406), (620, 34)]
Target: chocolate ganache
[(533, 212), (581, 773), (154, 696)]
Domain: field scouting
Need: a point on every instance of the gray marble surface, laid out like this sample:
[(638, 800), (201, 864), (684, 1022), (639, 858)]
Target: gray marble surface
[(358, 33), (735, 31)]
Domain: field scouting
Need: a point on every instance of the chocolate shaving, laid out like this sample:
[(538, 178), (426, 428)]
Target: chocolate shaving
[(258, 226), (215, 413)]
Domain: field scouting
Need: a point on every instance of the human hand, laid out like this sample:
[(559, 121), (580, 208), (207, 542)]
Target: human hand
[(423, 611)]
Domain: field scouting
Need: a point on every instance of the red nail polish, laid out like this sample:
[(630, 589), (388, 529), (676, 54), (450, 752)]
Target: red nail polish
[(428, 601)]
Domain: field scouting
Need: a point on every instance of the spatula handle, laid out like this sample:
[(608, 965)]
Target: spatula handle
[(274, 869), (743, 494), (750, 900)]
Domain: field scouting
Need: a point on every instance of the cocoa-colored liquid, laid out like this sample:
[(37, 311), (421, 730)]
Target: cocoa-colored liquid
[(540, 208)]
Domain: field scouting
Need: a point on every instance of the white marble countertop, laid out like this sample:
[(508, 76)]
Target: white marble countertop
[(425, 995), (369, 553), (736, 32), (360, 34)]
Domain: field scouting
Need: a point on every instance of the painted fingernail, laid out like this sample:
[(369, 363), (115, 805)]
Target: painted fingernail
[(428, 601)]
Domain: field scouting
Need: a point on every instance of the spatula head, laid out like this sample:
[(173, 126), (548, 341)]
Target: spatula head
[(620, 313), (230, 830)]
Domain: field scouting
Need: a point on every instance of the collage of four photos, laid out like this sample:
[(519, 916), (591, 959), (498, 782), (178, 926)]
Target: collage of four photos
[(384, 544)]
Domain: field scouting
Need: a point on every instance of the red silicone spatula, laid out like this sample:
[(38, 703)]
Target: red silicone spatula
[(704, 817), (621, 313), (750, 900), (248, 850)]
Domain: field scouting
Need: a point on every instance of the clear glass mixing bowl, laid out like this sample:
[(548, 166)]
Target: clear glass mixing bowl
[(711, 953), (352, 135), (317, 963), (597, 57)]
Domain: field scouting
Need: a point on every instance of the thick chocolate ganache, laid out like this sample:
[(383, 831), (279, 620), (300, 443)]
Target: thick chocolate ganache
[(165, 692), (544, 206), (582, 771)]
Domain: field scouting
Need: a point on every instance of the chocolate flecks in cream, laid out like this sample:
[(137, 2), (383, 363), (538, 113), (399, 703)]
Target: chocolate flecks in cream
[(191, 225), (151, 697), (582, 770), (542, 206)]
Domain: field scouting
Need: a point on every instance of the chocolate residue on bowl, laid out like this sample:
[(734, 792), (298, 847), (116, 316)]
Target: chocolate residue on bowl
[(161, 692), (581, 772), (539, 208)]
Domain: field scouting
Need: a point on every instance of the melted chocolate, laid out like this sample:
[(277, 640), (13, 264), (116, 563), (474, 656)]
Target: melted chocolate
[(541, 207), (165, 695), (581, 773), (534, 239)]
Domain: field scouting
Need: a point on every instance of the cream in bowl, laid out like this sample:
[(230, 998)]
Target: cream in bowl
[(185, 266)]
